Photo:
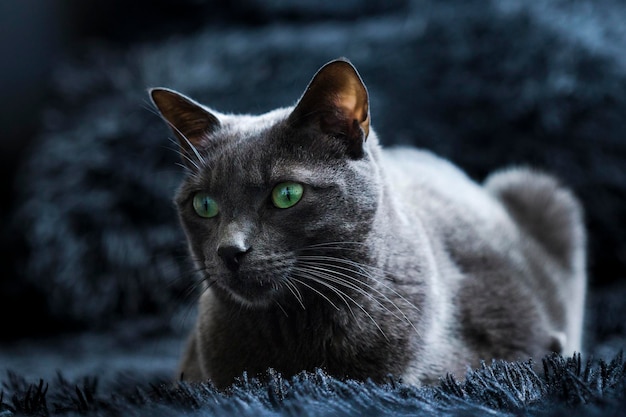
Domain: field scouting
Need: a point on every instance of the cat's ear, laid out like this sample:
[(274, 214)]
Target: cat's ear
[(190, 121), (336, 102)]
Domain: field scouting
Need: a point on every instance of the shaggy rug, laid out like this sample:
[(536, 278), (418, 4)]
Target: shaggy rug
[(567, 387), (96, 264)]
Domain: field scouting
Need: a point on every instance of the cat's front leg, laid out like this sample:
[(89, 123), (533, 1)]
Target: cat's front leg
[(190, 369)]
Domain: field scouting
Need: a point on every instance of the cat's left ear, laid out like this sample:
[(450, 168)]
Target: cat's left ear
[(190, 121), (336, 102)]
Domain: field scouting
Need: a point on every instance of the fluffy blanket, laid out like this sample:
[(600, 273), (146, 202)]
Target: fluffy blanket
[(567, 387), (97, 271)]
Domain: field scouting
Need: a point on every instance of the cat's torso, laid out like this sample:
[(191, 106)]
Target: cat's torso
[(482, 297)]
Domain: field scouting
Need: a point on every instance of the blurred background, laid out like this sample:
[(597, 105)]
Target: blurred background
[(90, 242), (38, 37)]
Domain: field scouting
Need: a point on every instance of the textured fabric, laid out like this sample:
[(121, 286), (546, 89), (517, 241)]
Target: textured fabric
[(565, 387)]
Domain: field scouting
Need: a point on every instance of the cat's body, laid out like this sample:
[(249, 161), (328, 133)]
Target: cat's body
[(386, 262)]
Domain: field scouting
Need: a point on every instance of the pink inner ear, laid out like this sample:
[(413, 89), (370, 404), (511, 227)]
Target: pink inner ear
[(338, 99), (348, 104), (353, 106)]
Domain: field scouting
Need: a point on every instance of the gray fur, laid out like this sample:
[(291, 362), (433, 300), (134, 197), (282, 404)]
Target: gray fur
[(393, 263)]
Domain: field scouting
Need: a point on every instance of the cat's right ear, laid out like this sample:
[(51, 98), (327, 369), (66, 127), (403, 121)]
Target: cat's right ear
[(189, 120), (336, 103)]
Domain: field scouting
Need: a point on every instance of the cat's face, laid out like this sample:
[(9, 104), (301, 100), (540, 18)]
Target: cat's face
[(272, 201)]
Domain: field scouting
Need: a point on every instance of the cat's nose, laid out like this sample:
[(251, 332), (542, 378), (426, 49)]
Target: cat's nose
[(232, 255)]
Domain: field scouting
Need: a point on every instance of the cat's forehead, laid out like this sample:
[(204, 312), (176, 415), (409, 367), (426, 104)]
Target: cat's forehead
[(247, 165), (243, 125), (248, 151)]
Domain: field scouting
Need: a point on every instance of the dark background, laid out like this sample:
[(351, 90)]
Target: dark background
[(37, 35), (90, 243)]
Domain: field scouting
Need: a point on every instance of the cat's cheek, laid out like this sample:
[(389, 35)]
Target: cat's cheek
[(201, 235)]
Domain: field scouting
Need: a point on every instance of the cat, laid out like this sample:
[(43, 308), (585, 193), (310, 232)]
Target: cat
[(318, 248)]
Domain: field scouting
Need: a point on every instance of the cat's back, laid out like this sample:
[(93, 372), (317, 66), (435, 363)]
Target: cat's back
[(514, 242), (441, 194), (514, 203)]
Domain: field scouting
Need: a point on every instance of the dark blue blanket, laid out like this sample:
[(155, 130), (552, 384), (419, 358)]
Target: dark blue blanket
[(566, 387)]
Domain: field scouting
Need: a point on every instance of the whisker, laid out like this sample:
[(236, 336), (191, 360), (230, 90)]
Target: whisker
[(185, 156), (312, 277), (315, 290), (361, 271), (189, 279), (327, 274), (282, 309), (193, 148), (342, 295), (332, 278), (338, 245), (342, 278), (176, 148), (294, 290), (199, 158), (187, 295)]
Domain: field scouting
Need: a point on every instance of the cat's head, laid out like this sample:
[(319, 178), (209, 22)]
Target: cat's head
[(270, 200)]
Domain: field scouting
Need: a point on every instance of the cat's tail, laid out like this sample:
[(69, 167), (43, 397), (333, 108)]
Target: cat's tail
[(550, 214), (546, 210)]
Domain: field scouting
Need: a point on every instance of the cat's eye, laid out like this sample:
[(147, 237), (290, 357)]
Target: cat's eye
[(204, 205), (287, 194)]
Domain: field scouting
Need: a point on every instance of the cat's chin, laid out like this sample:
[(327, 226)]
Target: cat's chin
[(252, 293)]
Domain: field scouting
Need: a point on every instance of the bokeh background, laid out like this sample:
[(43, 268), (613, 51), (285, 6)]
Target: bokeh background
[(95, 277)]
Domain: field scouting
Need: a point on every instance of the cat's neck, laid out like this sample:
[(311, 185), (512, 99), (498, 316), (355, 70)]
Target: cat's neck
[(394, 233)]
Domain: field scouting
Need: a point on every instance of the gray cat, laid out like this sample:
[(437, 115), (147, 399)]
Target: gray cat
[(317, 248)]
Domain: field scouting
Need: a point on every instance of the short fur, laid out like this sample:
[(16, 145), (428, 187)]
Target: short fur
[(393, 263)]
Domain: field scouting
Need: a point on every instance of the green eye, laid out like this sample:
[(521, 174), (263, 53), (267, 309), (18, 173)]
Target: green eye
[(204, 205), (287, 194)]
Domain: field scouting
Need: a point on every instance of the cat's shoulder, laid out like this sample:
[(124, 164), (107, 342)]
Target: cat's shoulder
[(422, 168)]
